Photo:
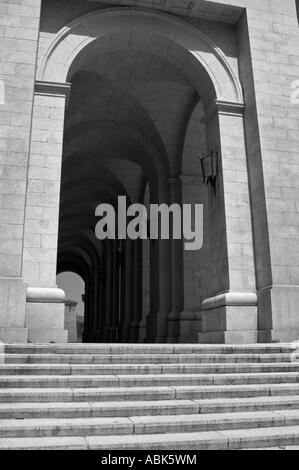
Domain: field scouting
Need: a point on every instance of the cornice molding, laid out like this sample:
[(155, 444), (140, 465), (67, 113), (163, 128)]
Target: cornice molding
[(230, 299), (52, 89), (222, 107)]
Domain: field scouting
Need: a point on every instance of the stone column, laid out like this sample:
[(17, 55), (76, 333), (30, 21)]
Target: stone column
[(137, 309), (160, 259), (176, 318), (230, 313), (145, 289), (45, 303), (19, 30), (129, 291), (114, 313), (86, 337), (109, 291), (70, 321), (157, 320), (100, 305), (93, 308)]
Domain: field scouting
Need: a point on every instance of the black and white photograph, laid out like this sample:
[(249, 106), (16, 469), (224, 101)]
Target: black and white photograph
[(149, 228)]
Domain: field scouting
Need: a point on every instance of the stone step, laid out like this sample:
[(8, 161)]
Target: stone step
[(97, 409), (34, 395), (143, 369), (232, 405), (147, 358), (52, 427), (105, 349), (229, 439), (214, 422), (211, 440), (127, 396), (235, 391), (65, 427), (149, 380), (276, 448), (145, 408)]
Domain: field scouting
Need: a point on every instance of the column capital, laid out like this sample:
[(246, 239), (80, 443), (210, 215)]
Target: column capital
[(222, 107), (52, 88)]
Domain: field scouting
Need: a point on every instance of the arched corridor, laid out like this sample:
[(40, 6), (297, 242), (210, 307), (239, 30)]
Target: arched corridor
[(102, 102), (126, 123), (138, 117)]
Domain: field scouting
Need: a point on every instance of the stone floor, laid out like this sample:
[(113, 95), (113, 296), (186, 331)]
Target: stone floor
[(153, 397)]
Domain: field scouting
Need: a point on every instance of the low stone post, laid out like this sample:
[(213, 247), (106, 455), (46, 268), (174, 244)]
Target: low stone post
[(70, 320)]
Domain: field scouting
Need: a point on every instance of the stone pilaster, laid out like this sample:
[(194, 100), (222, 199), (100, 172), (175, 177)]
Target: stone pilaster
[(230, 313), (45, 303), (19, 29), (269, 51)]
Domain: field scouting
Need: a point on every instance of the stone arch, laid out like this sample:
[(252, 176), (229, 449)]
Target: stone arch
[(73, 38), (207, 69)]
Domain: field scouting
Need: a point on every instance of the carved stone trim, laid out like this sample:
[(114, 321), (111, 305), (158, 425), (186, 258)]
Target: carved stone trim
[(52, 88), (223, 107), (230, 299)]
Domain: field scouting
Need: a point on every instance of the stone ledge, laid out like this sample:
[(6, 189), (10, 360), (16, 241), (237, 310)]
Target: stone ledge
[(45, 295), (52, 88), (230, 299), (222, 107)]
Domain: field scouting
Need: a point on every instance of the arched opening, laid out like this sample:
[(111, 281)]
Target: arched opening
[(128, 114), (146, 91)]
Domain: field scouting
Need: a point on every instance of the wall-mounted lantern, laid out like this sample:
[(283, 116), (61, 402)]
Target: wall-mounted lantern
[(209, 167)]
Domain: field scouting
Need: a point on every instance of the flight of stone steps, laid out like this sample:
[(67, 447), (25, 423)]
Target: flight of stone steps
[(151, 397)]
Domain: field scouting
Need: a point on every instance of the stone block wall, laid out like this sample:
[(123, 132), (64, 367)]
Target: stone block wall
[(272, 123), (19, 31)]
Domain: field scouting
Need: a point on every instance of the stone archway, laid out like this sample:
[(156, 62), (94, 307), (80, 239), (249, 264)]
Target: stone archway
[(80, 33), (118, 139)]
